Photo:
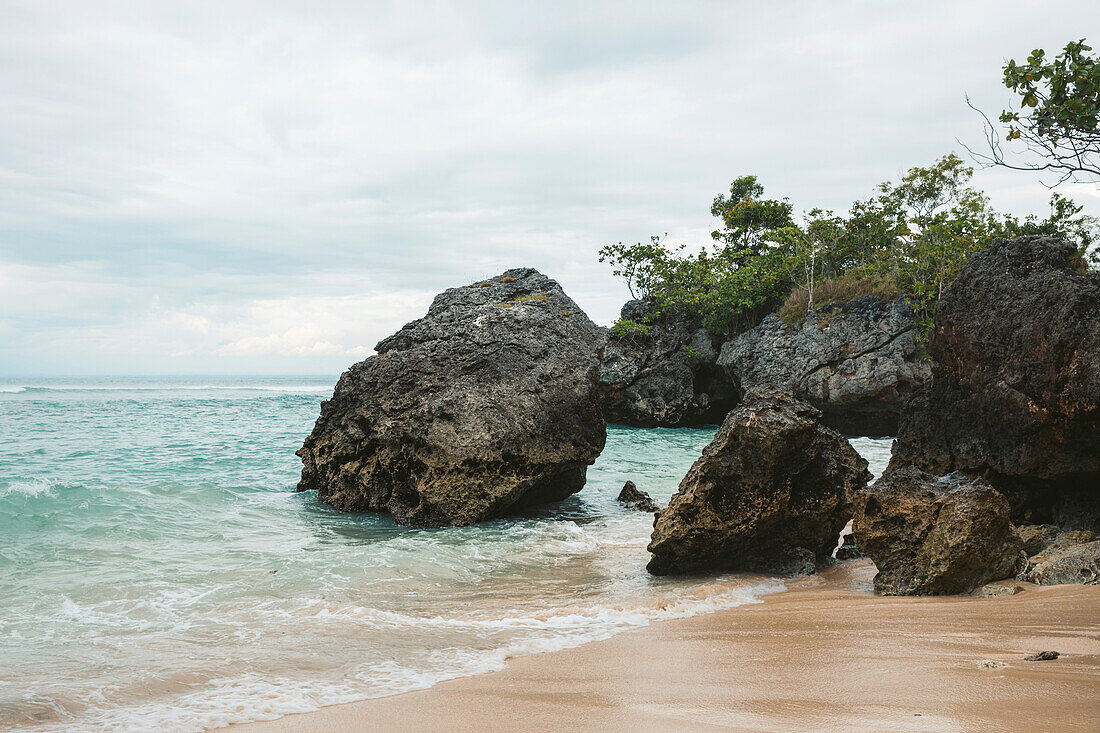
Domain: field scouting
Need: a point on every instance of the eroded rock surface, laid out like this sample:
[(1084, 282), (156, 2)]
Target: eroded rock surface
[(665, 378), (484, 406), (770, 493), (1037, 537), (1015, 395), (633, 497), (931, 535), (1078, 563), (857, 362), (848, 549)]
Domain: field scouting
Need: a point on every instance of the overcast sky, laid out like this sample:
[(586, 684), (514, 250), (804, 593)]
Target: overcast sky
[(237, 187)]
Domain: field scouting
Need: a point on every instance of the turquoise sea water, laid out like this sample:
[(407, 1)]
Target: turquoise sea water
[(158, 572)]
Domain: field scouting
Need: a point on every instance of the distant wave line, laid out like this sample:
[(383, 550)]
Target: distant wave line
[(295, 389)]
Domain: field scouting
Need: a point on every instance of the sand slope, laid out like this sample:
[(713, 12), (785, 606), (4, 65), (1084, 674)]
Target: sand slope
[(823, 656)]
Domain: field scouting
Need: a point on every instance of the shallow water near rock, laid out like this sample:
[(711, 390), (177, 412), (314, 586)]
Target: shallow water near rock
[(157, 570)]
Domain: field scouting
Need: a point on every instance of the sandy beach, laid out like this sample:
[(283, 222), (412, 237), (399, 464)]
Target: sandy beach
[(825, 655)]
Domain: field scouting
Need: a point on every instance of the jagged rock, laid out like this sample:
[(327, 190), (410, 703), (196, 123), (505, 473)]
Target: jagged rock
[(1042, 656), (666, 377), (482, 407), (935, 536), (633, 497), (770, 493), (1063, 540), (999, 589), (848, 549), (1037, 536), (857, 362), (1016, 390), (1072, 557)]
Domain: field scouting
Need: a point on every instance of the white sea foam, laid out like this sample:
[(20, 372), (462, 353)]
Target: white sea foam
[(7, 389), (30, 488), (249, 697), (174, 593)]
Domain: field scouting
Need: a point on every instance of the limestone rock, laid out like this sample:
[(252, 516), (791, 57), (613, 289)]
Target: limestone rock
[(1046, 656), (667, 377), (633, 497), (770, 493), (482, 407), (1077, 563), (999, 589), (935, 536), (1036, 537), (857, 362), (1015, 395)]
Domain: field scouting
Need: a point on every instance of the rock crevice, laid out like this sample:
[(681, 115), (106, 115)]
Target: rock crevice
[(857, 362), (665, 377)]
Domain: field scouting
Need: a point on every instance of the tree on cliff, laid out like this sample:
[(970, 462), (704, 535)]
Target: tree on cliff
[(946, 222), (748, 218), (911, 237), (1057, 124)]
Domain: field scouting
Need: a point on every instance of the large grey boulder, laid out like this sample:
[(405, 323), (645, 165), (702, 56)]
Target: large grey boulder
[(666, 376), (1016, 390), (482, 407), (770, 493), (931, 535), (857, 362)]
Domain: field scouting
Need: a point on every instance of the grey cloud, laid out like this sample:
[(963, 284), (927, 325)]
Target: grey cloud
[(164, 163)]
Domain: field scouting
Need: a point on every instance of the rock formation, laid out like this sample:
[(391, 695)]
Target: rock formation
[(1041, 540), (1078, 563), (1015, 395), (770, 493), (857, 362), (633, 497), (934, 536), (1037, 537), (1054, 557), (482, 407), (848, 549), (666, 377)]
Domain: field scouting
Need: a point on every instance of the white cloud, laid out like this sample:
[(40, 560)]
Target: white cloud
[(223, 182)]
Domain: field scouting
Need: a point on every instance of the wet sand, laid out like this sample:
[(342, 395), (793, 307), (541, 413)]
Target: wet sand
[(823, 656)]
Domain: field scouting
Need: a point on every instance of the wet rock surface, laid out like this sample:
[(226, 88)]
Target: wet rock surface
[(1015, 395), (482, 407), (770, 493), (857, 362), (667, 377), (931, 535), (634, 498)]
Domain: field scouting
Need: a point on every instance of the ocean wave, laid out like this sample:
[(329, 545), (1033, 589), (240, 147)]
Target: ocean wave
[(285, 389), (29, 488), (707, 599), (250, 697)]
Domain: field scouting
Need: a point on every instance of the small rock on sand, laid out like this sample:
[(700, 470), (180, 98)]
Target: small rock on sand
[(1041, 657)]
